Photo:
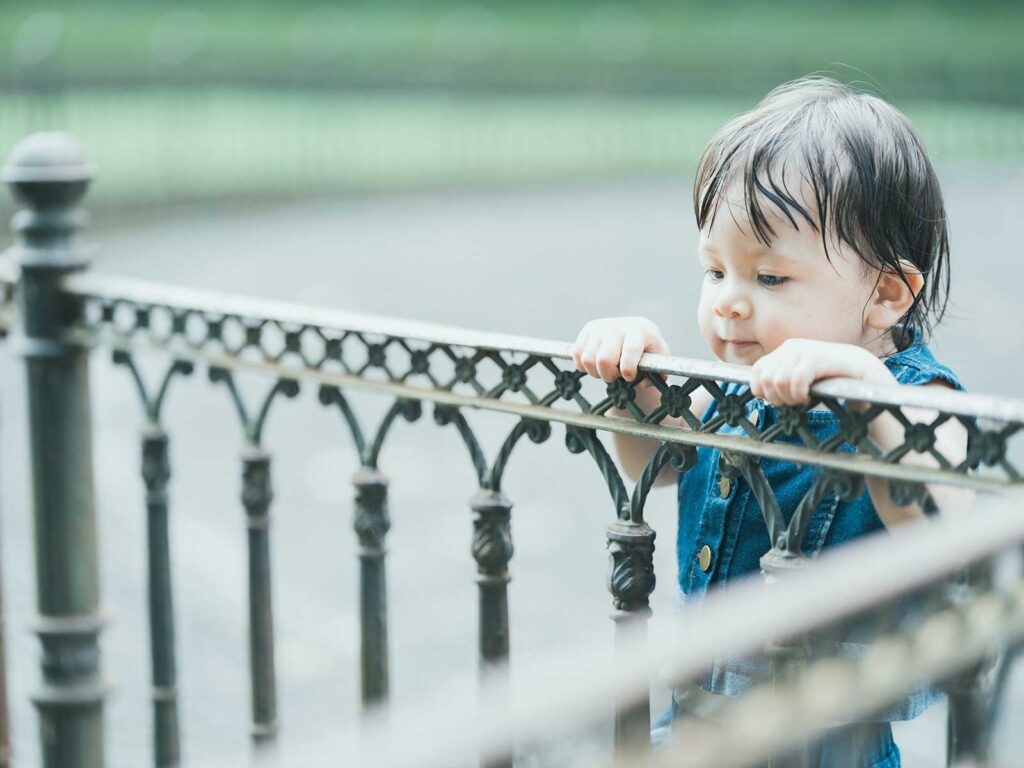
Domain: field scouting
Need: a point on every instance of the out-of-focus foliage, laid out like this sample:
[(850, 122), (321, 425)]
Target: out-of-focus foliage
[(235, 99), (923, 49), (160, 146)]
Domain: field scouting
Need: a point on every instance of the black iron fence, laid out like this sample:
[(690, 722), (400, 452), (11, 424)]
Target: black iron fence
[(962, 641), (57, 312)]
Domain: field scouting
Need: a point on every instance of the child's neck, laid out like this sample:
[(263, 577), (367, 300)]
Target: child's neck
[(882, 346)]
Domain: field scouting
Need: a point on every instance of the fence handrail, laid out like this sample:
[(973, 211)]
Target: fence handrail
[(734, 622), (114, 288)]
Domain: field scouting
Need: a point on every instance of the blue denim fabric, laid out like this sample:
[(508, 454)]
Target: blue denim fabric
[(734, 529)]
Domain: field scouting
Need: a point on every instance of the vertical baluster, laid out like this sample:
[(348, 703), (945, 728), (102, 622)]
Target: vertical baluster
[(631, 582), (969, 723), (48, 174), (257, 494), (156, 472), (256, 497), (371, 525), (492, 546), (492, 550), (785, 658), (974, 694)]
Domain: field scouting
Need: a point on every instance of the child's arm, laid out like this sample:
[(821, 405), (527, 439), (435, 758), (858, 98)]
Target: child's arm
[(612, 347), (784, 377)]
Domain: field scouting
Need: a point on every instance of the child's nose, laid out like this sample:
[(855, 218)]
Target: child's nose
[(732, 303)]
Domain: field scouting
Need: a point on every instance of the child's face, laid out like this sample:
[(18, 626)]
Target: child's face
[(754, 297)]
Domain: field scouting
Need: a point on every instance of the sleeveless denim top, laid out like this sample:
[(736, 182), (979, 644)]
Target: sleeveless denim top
[(733, 527)]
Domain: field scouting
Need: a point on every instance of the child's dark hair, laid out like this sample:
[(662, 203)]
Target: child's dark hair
[(871, 181)]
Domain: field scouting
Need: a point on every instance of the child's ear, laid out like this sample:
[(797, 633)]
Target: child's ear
[(893, 296)]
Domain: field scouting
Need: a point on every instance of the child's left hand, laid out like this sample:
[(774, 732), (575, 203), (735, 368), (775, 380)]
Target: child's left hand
[(785, 375)]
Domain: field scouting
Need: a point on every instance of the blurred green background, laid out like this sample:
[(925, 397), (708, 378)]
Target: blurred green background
[(239, 100)]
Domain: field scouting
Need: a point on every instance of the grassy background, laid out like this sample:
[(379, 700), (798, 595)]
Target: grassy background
[(165, 146), (232, 100), (939, 49)]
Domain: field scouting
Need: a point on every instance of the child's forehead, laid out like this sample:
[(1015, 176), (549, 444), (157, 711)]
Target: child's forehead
[(793, 240), (785, 210)]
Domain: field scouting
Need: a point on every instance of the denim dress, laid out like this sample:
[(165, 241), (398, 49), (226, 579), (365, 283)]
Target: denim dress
[(724, 519)]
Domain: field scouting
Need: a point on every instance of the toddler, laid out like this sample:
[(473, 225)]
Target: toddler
[(825, 252)]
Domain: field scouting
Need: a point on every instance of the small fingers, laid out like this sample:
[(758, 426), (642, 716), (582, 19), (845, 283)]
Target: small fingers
[(588, 357), (789, 382), (756, 386), (577, 348), (772, 379), (632, 351), (771, 392), (803, 377), (608, 355)]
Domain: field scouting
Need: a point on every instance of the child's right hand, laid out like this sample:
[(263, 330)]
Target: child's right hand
[(611, 347)]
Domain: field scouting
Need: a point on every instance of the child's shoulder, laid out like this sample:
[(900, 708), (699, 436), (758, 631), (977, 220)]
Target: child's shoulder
[(916, 365)]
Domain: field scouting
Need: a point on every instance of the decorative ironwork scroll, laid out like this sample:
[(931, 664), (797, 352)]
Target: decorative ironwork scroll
[(256, 496)]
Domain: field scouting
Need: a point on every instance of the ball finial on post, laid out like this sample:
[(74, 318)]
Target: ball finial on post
[(48, 175), (47, 170)]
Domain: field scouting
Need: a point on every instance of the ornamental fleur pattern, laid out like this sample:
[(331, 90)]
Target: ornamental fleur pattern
[(372, 521), (492, 540), (256, 489), (631, 566)]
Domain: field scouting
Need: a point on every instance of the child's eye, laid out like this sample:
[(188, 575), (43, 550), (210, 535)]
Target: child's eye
[(772, 280), (714, 274)]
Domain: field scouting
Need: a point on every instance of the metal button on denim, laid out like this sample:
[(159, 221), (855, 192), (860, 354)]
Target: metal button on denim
[(724, 486), (704, 558)]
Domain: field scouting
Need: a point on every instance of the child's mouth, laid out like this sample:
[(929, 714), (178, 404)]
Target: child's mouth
[(738, 346)]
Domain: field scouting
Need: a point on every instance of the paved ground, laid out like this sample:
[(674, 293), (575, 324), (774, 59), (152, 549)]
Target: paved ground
[(537, 262)]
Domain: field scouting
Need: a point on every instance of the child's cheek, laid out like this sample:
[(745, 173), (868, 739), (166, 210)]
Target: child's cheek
[(704, 322)]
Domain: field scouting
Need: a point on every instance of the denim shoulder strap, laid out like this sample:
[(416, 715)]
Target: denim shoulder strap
[(916, 365)]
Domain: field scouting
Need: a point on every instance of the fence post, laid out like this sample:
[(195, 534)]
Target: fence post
[(47, 174)]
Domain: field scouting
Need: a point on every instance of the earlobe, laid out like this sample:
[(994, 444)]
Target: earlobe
[(893, 296)]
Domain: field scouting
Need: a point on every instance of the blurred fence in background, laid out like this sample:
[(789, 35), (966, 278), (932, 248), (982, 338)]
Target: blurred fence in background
[(236, 100)]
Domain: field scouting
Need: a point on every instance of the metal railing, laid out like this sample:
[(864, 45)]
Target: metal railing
[(63, 312), (952, 640)]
